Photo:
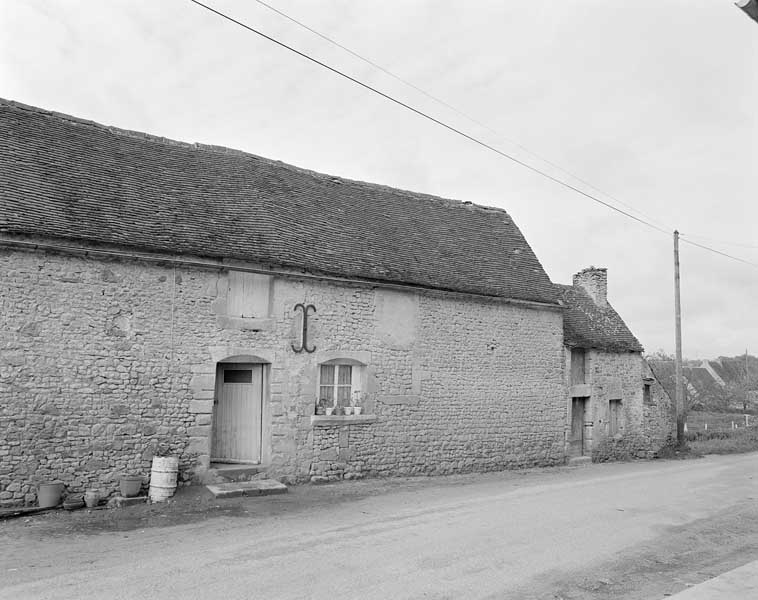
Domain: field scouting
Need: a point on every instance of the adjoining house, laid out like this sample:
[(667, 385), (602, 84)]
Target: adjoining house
[(164, 296), (616, 406)]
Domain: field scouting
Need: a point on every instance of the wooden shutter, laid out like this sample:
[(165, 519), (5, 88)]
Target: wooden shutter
[(248, 295)]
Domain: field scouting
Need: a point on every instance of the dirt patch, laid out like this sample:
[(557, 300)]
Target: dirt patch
[(681, 557), (193, 504)]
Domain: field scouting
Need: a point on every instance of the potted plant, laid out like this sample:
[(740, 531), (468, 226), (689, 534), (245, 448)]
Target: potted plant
[(330, 410), (321, 406), (355, 400)]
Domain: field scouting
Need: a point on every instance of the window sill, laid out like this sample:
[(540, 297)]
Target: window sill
[(341, 420)]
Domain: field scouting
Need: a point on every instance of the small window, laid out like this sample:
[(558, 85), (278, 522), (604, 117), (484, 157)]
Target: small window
[(614, 409), (647, 397), (248, 295), (577, 366), (238, 376)]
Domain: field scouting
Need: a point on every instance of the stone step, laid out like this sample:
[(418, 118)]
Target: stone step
[(260, 487), (579, 461), (222, 472)]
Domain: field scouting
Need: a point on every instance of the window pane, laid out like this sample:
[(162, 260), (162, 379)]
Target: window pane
[(327, 393), (343, 394), (345, 375), (327, 374), (238, 376)]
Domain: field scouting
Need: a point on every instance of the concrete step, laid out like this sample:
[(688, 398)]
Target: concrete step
[(260, 487), (579, 461), (223, 472)]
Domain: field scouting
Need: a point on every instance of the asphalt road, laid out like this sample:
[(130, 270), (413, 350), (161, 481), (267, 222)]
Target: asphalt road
[(604, 531)]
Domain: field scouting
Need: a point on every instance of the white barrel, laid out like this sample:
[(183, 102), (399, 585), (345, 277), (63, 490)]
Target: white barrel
[(163, 478)]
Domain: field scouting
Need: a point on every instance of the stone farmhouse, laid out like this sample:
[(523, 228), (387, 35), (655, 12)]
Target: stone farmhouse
[(617, 407), (160, 296)]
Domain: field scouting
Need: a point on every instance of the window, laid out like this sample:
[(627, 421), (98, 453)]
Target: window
[(646, 394), (577, 366), (248, 295), (336, 384), (340, 383), (614, 409)]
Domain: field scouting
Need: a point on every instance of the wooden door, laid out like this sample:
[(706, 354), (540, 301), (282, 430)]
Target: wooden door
[(576, 440), (237, 414)]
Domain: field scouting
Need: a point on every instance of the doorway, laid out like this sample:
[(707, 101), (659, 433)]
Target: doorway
[(576, 438), (238, 413)]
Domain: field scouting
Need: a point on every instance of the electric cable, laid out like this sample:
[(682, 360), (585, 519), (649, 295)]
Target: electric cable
[(456, 110), (458, 131), (429, 117)]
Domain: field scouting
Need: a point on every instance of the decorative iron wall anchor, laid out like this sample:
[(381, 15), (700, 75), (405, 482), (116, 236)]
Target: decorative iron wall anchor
[(304, 343)]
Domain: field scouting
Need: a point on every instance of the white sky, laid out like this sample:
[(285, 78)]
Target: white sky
[(653, 101)]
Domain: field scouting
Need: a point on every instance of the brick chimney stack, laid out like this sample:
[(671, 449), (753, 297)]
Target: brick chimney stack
[(594, 281)]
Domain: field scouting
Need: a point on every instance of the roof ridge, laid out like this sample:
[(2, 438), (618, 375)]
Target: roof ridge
[(217, 149)]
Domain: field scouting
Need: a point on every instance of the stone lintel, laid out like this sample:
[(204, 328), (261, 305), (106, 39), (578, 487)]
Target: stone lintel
[(581, 390)]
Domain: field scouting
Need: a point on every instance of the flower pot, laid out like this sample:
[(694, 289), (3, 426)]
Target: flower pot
[(348, 410), (330, 410), (357, 410), (130, 486), (91, 498), (49, 494)]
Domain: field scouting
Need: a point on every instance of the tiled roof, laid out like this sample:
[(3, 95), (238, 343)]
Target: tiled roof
[(67, 178), (587, 325), (665, 372)]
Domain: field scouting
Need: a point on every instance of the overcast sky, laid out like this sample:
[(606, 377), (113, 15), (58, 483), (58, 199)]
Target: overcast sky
[(654, 102)]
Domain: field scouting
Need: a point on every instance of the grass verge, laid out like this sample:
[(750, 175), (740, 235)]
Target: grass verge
[(732, 441)]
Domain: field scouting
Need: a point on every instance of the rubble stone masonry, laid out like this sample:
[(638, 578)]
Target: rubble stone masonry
[(105, 362), (644, 428)]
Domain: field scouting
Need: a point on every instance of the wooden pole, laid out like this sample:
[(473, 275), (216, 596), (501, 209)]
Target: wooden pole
[(678, 363)]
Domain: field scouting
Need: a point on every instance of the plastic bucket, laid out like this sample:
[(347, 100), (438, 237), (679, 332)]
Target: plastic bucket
[(163, 478), (49, 494), (130, 486)]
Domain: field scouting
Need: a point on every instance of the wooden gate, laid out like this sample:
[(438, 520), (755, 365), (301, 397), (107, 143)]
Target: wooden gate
[(237, 413)]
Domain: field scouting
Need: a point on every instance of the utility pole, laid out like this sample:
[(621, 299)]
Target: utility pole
[(747, 383), (678, 362)]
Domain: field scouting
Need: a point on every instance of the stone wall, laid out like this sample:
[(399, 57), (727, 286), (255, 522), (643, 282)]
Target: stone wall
[(643, 428), (105, 362), (659, 417)]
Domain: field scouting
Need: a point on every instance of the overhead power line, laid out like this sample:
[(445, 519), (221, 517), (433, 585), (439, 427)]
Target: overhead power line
[(461, 133), (722, 242), (429, 117), (704, 247), (456, 110)]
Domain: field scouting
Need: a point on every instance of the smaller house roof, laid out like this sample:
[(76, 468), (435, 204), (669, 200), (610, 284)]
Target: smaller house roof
[(587, 325)]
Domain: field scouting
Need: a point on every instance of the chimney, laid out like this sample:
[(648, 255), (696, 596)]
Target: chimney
[(594, 281)]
